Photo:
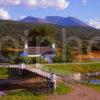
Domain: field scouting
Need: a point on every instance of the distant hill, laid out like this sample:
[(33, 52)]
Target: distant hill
[(57, 20), (69, 21), (33, 20)]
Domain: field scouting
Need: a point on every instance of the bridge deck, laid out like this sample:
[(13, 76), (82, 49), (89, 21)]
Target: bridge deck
[(31, 69)]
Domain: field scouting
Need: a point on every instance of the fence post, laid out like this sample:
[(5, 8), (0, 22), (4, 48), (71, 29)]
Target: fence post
[(54, 80)]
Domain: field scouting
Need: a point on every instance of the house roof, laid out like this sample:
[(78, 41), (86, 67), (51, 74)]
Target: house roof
[(38, 50)]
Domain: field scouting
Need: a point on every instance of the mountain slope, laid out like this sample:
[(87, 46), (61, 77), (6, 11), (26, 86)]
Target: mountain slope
[(69, 21), (33, 20), (57, 20)]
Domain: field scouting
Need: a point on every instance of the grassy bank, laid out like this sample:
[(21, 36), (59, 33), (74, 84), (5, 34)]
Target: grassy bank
[(21, 95), (95, 87), (62, 89), (4, 73), (62, 69), (28, 95), (8, 73)]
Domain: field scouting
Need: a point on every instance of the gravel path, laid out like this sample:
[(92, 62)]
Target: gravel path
[(80, 92)]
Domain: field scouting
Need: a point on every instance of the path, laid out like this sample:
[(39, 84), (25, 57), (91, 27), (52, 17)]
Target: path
[(79, 93)]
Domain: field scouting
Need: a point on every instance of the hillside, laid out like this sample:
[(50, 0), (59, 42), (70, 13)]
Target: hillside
[(16, 30), (68, 21), (56, 20)]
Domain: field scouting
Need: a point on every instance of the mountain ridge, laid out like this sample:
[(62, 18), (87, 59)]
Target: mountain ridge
[(57, 20)]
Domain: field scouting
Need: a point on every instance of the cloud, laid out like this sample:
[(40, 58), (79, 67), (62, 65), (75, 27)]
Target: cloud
[(10, 2), (57, 4), (95, 23), (4, 14), (15, 2)]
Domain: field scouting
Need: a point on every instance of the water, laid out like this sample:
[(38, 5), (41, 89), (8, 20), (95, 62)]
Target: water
[(95, 82)]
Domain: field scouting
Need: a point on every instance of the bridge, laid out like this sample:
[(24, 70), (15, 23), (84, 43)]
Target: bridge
[(36, 68), (32, 68)]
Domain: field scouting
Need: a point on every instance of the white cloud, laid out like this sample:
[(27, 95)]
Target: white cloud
[(4, 14), (58, 4), (10, 2), (95, 23), (15, 2)]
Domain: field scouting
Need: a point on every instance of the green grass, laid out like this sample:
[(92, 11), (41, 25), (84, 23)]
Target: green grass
[(4, 73), (62, 89), (62, 69), (22, 95), (8, 73), (93, 86)]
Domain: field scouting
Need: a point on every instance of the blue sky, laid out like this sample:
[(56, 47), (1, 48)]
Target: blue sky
[(85, 10)]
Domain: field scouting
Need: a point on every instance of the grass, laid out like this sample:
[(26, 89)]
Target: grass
[(29, 95), (62, 69), (62, 89), (8, 73), (22, 95), (4, 73), (95, 87)]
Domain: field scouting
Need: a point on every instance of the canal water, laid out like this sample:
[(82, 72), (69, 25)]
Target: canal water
[(95, 81)]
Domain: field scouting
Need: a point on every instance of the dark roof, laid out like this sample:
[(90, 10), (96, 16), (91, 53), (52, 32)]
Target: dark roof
[(39, 50)]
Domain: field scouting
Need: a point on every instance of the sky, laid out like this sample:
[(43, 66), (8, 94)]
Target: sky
[(85, 10)]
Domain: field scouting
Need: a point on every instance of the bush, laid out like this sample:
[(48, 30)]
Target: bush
[(32, 60)]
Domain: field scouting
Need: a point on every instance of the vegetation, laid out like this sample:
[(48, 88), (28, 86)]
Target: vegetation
[(62, 69), (31, 60), (62, 89), (29, 95), (22, 95), (95, 87), (12, 35), (64, 56), (15, 30), (3, 73), (8, 73)]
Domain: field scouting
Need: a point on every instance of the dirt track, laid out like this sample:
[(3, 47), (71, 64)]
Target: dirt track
[(79, 93)]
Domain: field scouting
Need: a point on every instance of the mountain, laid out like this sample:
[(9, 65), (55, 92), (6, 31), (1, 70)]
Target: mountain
[(33, 20), (57, 20), (69, 21)]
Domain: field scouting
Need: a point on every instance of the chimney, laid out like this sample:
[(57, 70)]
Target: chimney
[(26, 46), (53, 46)]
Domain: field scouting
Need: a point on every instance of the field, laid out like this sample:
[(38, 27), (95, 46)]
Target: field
[(62, 69)]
